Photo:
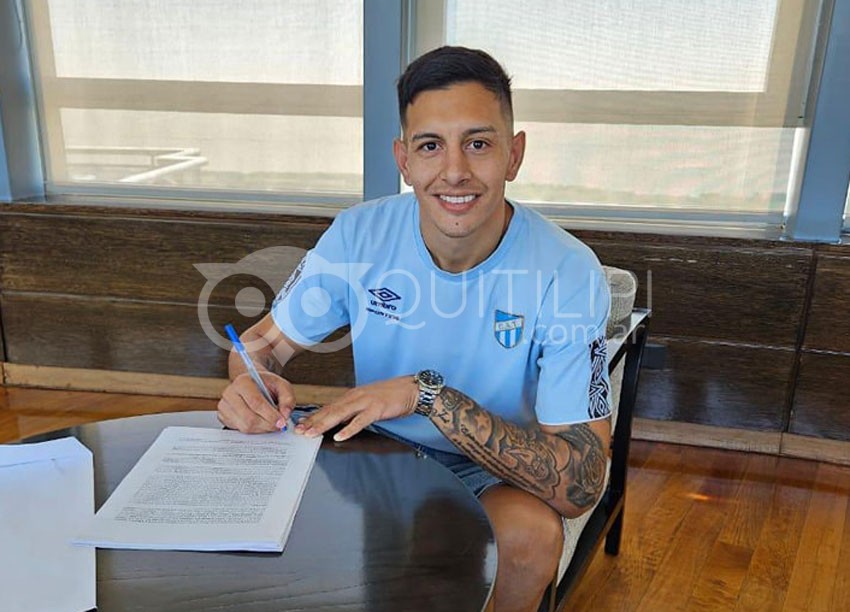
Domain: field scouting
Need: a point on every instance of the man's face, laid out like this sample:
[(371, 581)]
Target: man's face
[(457, 152)]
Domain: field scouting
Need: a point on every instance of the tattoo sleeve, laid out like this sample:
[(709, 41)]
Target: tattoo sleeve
[(566, 470)]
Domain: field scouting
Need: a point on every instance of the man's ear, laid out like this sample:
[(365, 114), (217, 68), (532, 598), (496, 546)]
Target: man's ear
[(400, 154), (517, 154)]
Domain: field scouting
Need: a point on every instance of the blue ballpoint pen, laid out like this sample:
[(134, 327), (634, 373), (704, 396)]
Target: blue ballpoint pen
[(249, 364)]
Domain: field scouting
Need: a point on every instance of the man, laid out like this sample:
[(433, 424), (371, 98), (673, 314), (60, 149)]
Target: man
[(480, 335)]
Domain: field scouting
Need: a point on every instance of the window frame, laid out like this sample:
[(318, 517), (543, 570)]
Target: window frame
[(819, 212)]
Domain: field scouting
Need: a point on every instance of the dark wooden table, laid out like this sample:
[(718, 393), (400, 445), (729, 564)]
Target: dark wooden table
[(379, 528)]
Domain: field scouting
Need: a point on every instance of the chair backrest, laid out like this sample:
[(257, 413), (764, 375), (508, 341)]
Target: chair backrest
[(623, 287)]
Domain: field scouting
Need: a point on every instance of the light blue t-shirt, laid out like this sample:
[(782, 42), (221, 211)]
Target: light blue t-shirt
[(522, 333)]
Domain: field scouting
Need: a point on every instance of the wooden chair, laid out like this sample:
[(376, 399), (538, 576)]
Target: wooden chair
[(626, 340)]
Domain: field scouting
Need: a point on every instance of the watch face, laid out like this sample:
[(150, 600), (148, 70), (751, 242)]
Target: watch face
[(430, 378)]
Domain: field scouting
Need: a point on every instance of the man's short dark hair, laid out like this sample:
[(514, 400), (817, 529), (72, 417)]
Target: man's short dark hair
[(447, 66)]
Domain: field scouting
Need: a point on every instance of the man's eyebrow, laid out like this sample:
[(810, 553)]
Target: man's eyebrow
[(424, 135), (466, 134)]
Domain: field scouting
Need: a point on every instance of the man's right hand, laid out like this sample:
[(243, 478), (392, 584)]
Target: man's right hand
[(242, 406)]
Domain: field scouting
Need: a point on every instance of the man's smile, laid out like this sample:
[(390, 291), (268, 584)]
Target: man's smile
[(457, 203), (458, 199)]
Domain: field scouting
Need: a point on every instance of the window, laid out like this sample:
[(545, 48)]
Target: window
[(690, 113), (654, 105), (212, 94)]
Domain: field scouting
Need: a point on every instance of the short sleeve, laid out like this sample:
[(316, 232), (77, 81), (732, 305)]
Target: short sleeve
[(314, 301), (573, 384)]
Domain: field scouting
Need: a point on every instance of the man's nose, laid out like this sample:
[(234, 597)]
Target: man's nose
[(456, 167)]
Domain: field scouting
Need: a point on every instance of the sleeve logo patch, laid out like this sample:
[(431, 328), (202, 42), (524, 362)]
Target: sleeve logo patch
[(599, 402)]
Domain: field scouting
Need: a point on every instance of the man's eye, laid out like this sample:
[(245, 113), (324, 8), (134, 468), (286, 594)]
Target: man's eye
[(478, 145), (429, 147)]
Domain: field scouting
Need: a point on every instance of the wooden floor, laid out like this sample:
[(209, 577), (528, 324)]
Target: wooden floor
[(704, 529)]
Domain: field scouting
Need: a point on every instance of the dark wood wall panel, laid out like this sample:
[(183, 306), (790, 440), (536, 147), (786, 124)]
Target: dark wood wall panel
[(748, 294), (116, 288), (137, 336), (822, 398), (2, 343), (145, 258), (828, 326), (717, 384)]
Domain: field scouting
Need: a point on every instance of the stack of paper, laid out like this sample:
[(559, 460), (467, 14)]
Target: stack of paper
[(208, 489), (46, 495)]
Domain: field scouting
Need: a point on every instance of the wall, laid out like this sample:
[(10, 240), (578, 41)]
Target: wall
[(746, 334), (117, 289)]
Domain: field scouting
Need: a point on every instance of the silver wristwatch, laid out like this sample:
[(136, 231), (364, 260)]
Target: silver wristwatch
[(430, 383)]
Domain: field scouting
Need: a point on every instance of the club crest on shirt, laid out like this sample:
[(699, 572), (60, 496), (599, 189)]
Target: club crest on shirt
[(508, 328)]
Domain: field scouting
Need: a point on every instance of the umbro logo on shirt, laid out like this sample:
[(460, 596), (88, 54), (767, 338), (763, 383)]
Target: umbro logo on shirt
[(385, 294), (384, 302)]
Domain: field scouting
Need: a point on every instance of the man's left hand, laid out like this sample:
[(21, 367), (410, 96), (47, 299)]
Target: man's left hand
[(362, 406)]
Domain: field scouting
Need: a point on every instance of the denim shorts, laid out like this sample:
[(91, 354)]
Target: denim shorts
[(476, 478)]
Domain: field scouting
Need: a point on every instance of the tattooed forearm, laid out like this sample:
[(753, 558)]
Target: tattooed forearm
[(567, 470), (587, 467)]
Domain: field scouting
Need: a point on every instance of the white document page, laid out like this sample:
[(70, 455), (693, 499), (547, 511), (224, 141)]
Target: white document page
[(46, 496), (208, 489)]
